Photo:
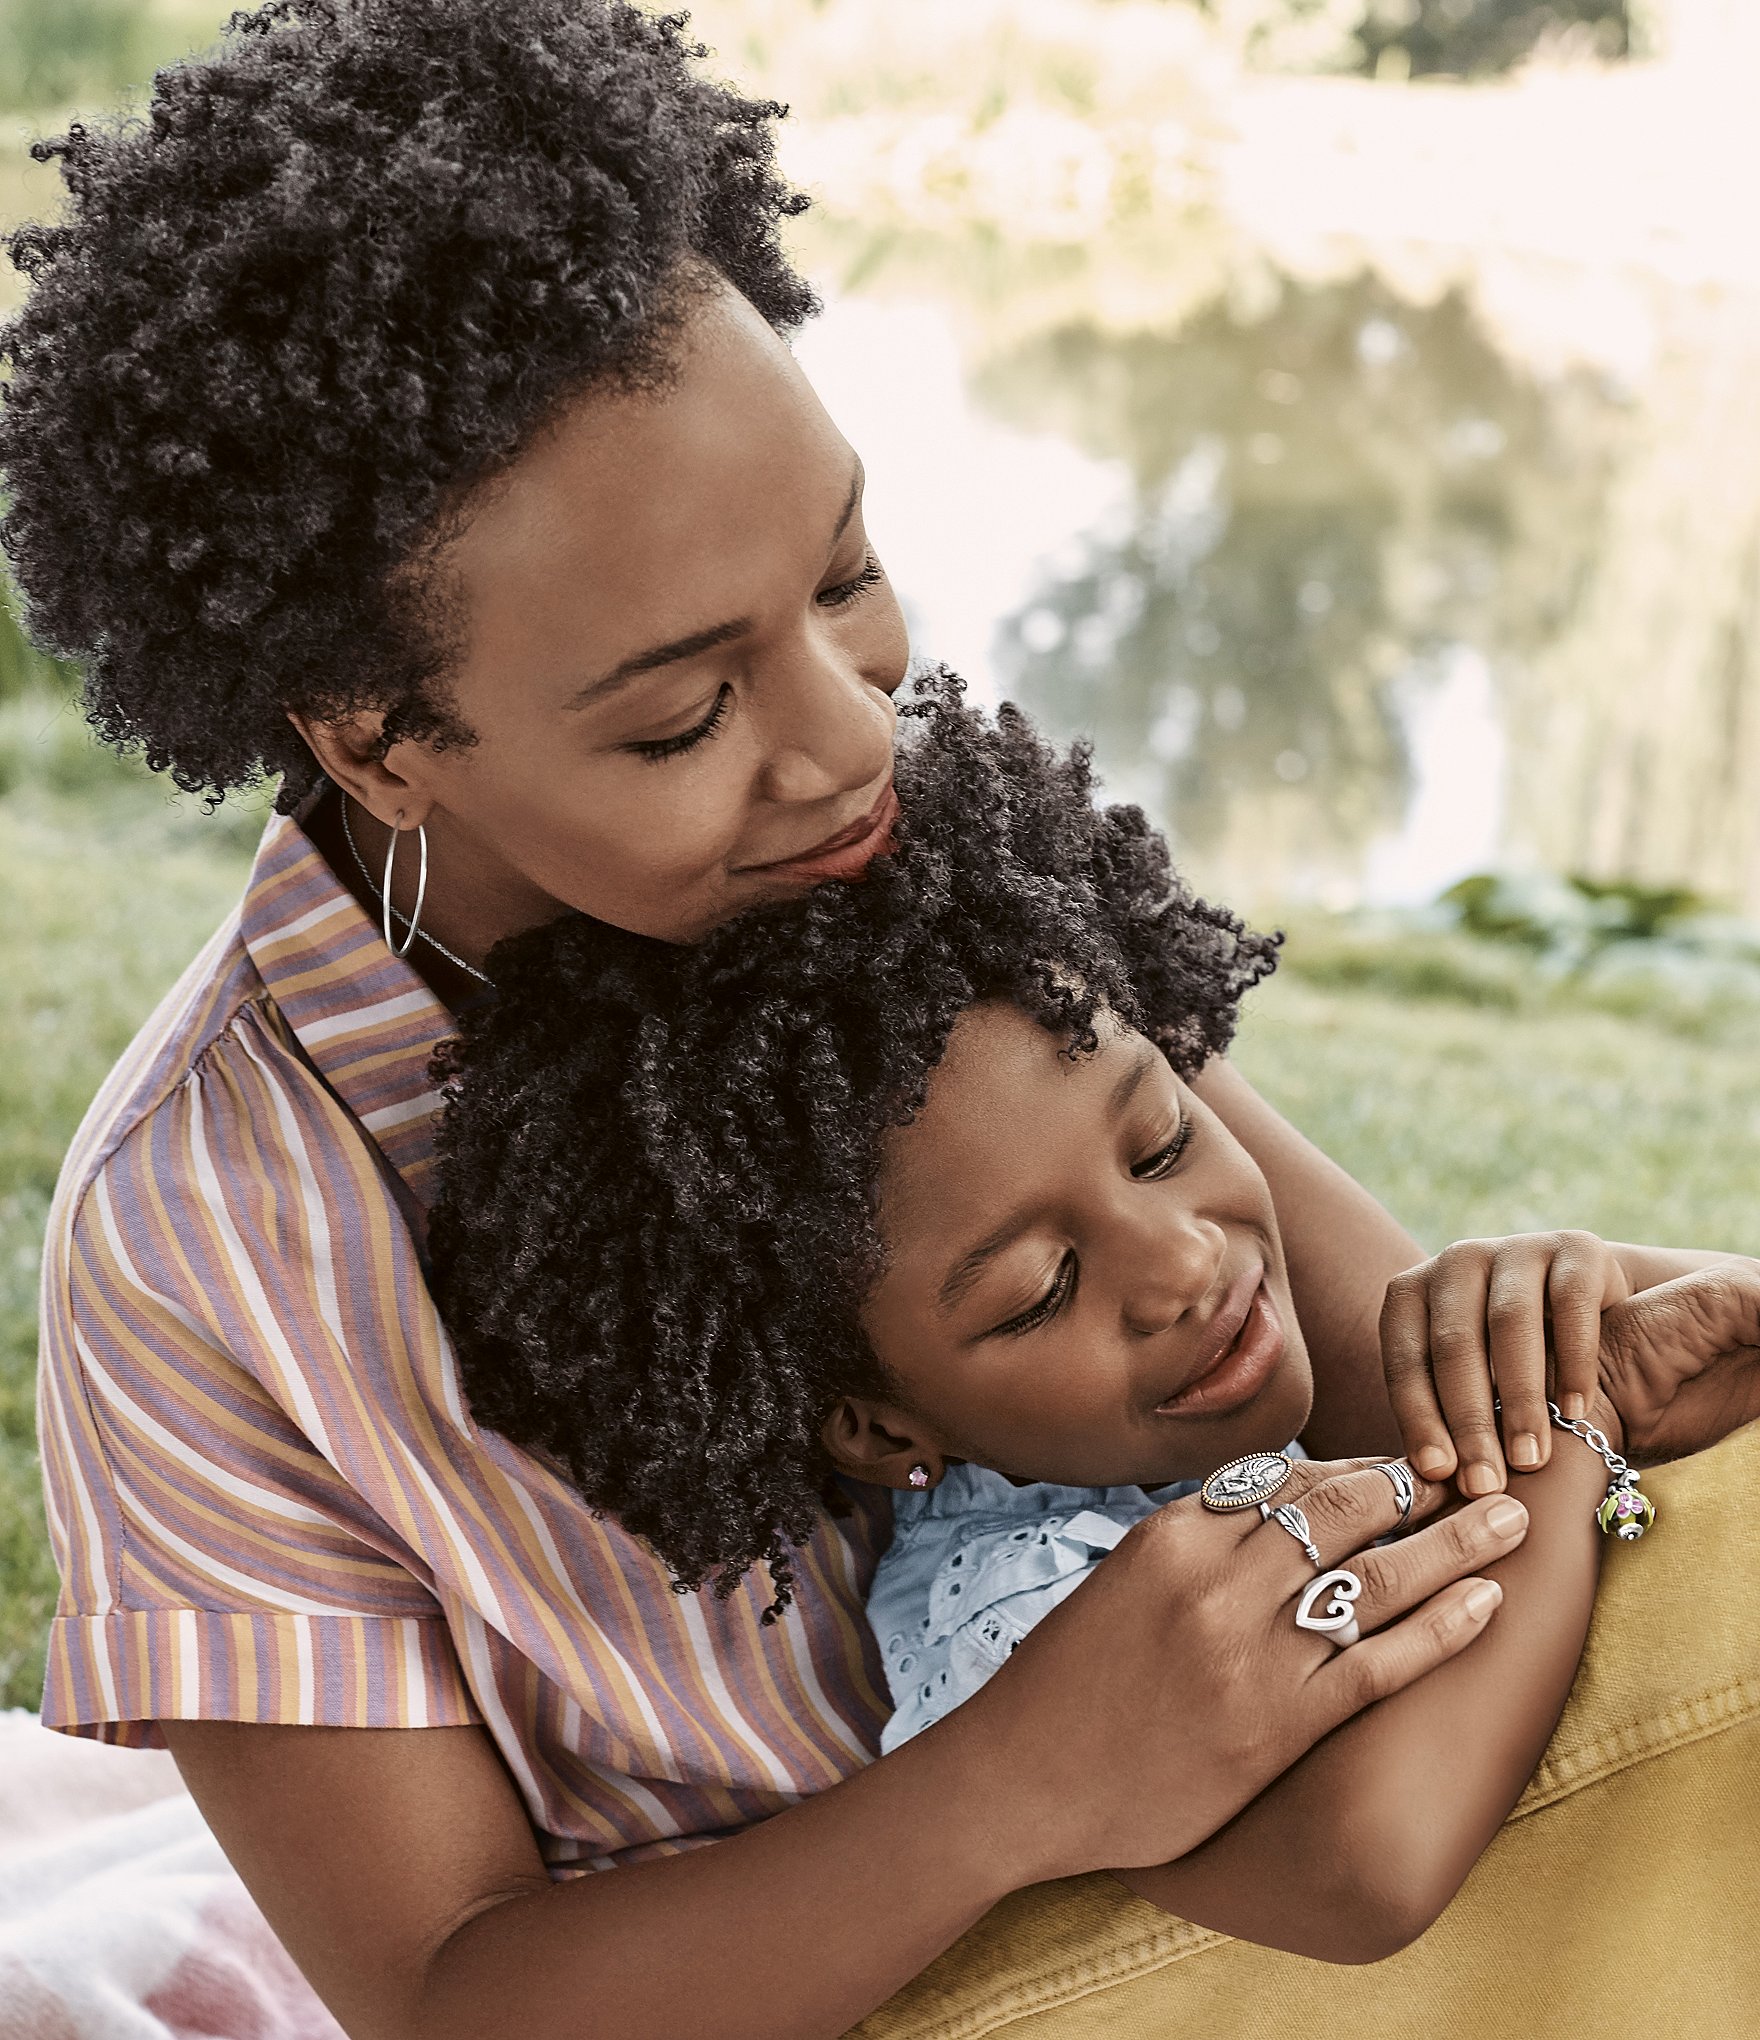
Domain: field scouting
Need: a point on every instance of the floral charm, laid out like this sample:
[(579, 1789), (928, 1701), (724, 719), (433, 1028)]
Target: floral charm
[(1626, 1513)]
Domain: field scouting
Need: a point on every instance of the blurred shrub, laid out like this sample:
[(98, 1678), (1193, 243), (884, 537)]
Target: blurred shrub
[(1572, 917), (1536, 944)]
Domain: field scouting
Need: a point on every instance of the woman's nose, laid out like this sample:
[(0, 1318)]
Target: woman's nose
[(830, 731), (1175, 1257)]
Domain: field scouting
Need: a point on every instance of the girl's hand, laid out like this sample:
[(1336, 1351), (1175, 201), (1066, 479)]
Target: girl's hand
[(1173, 1685), (1475, 1319), (1681, 1362)]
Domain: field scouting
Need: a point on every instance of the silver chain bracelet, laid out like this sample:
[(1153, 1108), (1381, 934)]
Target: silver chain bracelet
[(1626, 1513)]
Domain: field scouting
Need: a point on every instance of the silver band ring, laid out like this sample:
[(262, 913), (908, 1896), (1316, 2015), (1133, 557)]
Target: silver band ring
[(1242, 1482), (1337, 1622), (1288, 1517), (1403, 1485)]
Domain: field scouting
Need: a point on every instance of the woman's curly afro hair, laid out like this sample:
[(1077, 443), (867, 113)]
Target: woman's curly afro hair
[(656, 1222), (339, 274)]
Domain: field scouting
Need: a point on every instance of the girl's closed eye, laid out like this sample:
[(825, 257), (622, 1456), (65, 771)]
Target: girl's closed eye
[(1161, 1163), (1151, 1169), (1063, 1287)]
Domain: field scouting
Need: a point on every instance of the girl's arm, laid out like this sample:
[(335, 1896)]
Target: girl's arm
[(1360, 1845), (1342, 1249)]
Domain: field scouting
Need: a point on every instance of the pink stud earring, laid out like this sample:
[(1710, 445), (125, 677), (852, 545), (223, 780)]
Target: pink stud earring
[(919, 1475)]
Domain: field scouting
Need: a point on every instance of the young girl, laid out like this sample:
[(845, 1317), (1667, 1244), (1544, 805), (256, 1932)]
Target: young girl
[(907, 1185)]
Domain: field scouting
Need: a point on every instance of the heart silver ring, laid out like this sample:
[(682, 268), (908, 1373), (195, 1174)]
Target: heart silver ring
[(1337, 1622)]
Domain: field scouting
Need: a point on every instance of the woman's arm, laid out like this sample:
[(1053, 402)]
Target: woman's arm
[(399, 1867), (1360, 1845), (1342, 1249)]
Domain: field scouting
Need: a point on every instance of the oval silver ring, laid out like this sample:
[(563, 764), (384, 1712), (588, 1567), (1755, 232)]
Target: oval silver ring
[(1243, 1482)]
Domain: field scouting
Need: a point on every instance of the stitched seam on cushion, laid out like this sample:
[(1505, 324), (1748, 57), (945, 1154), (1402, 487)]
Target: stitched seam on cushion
[(1690, 1720), (1068, 1985)]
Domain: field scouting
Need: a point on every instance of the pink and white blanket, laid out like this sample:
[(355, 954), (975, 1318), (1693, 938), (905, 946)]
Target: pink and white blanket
[(120, 1919)]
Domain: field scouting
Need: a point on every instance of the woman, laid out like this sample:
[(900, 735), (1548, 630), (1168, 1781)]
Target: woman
[(401, 410)]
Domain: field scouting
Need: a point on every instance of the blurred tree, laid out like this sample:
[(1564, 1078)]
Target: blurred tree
[(1414, 38), (1474, 38), (1328, 496)]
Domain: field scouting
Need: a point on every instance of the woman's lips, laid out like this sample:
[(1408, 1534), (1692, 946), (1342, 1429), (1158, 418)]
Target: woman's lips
[(845, 855), (1242, 1368)]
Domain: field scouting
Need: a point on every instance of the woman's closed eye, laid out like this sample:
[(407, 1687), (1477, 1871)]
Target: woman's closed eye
[(654, 749), (872, 573)]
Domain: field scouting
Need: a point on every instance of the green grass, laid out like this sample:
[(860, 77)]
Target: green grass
[(1470, 1119), (1467, 1112)]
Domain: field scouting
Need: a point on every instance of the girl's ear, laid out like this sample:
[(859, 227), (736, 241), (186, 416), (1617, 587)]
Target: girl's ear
[(880, 1443)]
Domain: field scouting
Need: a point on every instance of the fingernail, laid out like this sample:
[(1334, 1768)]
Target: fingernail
[(1480, 1478), (1524, 1449), (1506, 1516), (1482, 1599), (1573, 1405), (1432, 1462)]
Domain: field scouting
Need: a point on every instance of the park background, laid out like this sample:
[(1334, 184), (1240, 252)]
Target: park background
[(1343, 411)]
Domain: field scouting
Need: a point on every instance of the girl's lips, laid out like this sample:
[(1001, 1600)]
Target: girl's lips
[(1243, 1369), (845, 855)]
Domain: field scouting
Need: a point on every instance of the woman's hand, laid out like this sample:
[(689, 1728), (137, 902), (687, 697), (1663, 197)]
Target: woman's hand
[(1174, 1685), (1681, 1362), (1474, 1321)]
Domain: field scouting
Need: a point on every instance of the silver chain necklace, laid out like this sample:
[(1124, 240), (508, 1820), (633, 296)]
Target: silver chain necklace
[(384, 904)]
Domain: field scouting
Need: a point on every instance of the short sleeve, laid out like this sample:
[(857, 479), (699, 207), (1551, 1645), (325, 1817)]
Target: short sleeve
[(214, 1562)]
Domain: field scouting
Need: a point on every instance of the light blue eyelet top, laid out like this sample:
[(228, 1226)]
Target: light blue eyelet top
[(973, 1564)]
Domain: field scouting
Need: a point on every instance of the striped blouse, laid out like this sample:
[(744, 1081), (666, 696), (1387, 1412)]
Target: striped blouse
[(267, 1498)]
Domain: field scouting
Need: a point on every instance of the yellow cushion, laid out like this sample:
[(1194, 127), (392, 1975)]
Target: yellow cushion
[(1622, 1895)]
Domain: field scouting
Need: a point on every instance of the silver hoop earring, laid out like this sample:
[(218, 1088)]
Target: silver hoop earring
[(403, 948)]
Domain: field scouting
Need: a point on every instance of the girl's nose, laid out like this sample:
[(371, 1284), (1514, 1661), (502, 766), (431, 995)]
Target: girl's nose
[(830, 731), (1176, 1255)]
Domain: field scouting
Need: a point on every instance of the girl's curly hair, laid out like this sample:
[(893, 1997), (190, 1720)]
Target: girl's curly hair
[(656, 1221), (340, 274)]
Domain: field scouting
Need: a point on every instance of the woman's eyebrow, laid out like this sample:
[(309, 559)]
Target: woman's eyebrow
[(699, 640)]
